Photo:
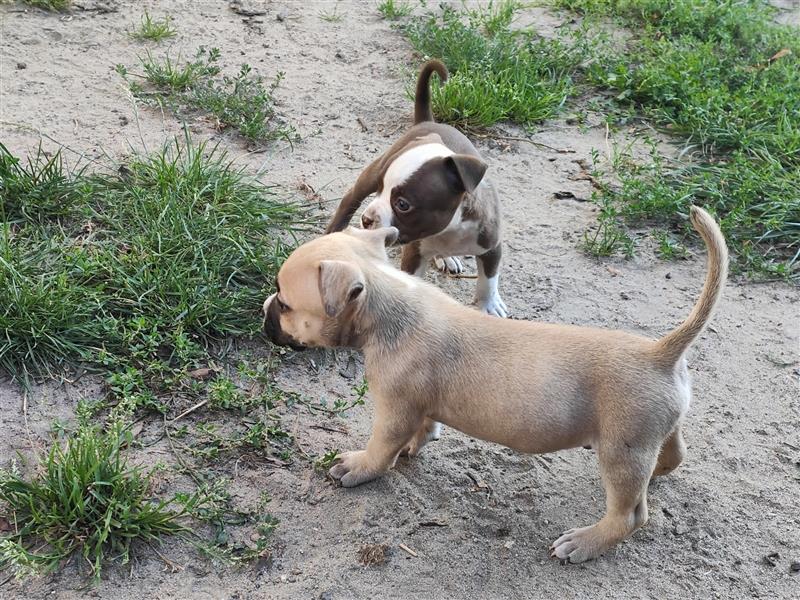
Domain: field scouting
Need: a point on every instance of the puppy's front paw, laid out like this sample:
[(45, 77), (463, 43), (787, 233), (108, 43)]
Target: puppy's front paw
[(579, 545), (353, 469), (449, 264), (493, 305)]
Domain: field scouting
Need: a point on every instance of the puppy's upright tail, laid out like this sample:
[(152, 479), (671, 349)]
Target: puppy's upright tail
[(672, 346), (422, 101)]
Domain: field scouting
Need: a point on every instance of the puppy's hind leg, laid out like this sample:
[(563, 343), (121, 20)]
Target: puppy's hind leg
[(672, 453), (431, 430), (393, 428), (626, 472)]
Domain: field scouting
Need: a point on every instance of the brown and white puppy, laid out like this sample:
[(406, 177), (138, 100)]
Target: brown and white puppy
[(531, 386), (430, 185)]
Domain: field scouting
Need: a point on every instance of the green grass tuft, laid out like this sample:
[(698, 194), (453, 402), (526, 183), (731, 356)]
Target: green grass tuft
[(497, 73), (37, 190), (331, 16), (173, 250), (724, 77), (87, 500), (154, 30)]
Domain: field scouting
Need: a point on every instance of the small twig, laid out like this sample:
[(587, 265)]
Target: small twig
[(172, 565), (462, 276), (326, 428), (178, 457), (189, 411), (236, 6), (25, 418), (405, 548), (433, 523), (364, 128), (512, 138)]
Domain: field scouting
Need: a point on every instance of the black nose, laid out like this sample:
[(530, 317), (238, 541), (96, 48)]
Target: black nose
[(366, 222), (267, 327)]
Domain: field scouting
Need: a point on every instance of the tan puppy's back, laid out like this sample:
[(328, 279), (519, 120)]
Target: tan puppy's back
[(526, 371)]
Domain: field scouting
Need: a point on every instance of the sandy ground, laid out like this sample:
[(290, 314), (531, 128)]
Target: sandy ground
[(733, 502)]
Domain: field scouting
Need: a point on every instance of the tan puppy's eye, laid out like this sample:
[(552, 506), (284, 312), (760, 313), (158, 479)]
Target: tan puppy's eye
[(402, 205), (282, 305)]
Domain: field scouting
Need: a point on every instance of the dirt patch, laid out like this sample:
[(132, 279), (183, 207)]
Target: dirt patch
[(725, 524)]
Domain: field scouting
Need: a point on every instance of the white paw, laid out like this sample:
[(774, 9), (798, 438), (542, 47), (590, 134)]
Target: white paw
[(449, 264), (493, 305)]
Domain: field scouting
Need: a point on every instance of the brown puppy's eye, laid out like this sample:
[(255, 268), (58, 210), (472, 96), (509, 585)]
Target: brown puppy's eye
[(402, 205)]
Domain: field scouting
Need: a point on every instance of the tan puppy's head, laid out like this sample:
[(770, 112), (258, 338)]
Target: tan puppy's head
[(320, 289)]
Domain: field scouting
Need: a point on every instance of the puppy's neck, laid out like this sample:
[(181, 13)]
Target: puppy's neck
[(392, 313)]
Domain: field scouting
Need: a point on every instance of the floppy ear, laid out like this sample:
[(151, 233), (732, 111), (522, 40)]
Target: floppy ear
[(468, 170), (340, 283), (383, 237)]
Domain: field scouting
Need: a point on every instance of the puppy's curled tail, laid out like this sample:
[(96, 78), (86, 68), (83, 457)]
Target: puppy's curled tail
[(422, 100), (672, 346)]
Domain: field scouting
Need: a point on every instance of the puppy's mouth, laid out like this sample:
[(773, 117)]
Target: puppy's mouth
[(405, 238), (281, 339), (276, 335), (295, 346)]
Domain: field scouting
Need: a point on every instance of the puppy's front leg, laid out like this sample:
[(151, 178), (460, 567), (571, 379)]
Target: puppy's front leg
[(487, 296), (412, 260), (393, 428)]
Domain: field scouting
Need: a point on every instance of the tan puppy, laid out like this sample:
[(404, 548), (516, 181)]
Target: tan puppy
[(533, 387)]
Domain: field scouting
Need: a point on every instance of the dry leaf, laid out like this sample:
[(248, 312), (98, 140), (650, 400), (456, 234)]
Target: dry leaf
[(202, 374), (780, 54)]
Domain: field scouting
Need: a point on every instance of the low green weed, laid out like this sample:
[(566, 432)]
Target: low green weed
[(154, 30), (726, 78), (331, 16), (243, 102), (391, 10)]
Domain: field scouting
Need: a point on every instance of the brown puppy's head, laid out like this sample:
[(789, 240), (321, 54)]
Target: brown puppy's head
[(321, 287), (421, 190)]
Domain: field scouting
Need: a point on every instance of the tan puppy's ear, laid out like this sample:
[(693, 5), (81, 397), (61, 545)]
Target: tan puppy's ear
[(340, 283), (469, 170), (383, 237)]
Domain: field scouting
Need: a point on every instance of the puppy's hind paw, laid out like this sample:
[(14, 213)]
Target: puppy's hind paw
[(430, 431), (449, 264)]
